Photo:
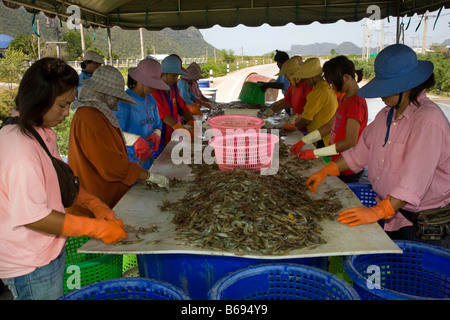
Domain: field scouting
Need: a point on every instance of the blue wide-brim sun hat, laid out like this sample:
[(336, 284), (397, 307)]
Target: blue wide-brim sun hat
[(396, 70), (172, 64)]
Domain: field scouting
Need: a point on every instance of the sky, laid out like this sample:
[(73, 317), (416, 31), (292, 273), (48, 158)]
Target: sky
[(265, 39)]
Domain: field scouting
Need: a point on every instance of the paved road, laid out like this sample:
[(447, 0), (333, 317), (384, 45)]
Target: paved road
[(229, 87)]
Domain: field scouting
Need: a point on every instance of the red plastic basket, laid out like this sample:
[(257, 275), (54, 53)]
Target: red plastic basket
[(244, 151), (235, 124)]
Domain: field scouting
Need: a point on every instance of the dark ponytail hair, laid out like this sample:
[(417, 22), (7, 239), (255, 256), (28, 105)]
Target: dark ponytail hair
[(131, 83), (41, 84), (415, 92), (335, 69)]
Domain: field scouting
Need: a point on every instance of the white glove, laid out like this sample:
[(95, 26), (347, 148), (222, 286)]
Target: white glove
[(268, 113), (326, 151), (159, 179), (312, 137)]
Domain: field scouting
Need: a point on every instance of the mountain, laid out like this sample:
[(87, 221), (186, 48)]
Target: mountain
[(125, 43), (324, 48)]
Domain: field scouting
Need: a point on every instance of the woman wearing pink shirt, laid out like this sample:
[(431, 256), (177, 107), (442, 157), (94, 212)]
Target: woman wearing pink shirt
[(407, 151), (33, 223)]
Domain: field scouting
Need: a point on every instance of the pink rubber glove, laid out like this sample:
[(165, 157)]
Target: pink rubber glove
[(142, 149)]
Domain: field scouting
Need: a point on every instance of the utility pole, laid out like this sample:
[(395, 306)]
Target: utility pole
[(242, 54), (424, 45), (142, 43), (38, 41), (364, 41), (368, 47), (83, 44), (382, 36)]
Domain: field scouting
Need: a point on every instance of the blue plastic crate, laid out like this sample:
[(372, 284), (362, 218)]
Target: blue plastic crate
[(196, 274), (282, 282), (364, 192), (128, 289), (421, 272)]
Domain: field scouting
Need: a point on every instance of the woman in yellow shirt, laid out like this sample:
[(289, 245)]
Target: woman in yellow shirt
[(321, 102)]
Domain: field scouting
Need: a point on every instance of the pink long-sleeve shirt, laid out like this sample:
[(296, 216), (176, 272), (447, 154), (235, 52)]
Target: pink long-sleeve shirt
[(414, 165), (29, 191)]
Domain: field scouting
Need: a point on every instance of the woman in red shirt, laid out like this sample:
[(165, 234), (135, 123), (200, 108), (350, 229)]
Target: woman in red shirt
[(171, 106), (349, 120)]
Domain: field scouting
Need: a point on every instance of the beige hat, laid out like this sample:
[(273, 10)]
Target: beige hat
[(109, 80), (290, 67), (308, 69), (93, 56), (194, 71)]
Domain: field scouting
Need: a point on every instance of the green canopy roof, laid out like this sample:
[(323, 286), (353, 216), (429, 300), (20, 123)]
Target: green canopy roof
[(181, 14)]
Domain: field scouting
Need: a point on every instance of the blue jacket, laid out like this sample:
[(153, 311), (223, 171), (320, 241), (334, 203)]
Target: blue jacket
[(141, 119)]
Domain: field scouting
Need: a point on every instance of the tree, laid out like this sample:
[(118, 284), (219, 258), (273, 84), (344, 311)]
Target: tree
[(13, 66), (73, 45), (28, 44), (227, 56)]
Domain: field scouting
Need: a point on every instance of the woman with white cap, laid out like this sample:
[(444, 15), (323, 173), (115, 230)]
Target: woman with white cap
[(171, 106), (407, 151), (188, 85), (97, 152), (91, 61), (140, 123)]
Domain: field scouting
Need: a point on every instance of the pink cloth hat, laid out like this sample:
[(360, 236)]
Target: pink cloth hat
[(148, 72)]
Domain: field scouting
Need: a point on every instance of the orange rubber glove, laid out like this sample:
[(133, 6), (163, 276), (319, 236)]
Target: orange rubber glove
[(207, 105), (180, 126), (109, 231), (289, 126), (329, 170), (295, 149), (194, 109), (364, 215), (95, 205)]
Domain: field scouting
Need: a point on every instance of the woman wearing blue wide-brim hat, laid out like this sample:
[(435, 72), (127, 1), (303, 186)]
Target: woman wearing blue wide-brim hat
[(407, 151)]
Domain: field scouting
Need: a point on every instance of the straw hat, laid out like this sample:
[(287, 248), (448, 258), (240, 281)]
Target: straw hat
[(109, 80), (290, 67), (148, 72), (308, 69), (396, 70), (93, 56)]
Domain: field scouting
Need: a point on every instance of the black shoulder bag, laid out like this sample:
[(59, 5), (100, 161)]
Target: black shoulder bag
[(68, 183)]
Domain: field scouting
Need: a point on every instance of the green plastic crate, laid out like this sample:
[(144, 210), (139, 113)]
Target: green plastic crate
[(93, 267), (130, 266), (336, 267), (251, 92)]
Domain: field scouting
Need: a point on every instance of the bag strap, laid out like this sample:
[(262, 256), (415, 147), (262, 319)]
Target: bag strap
[(39, 139)]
